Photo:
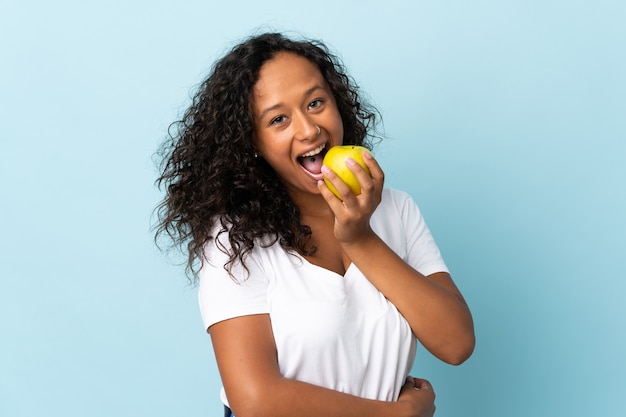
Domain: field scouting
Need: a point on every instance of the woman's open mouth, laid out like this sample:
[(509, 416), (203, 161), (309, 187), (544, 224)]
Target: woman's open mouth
[(312, 161)]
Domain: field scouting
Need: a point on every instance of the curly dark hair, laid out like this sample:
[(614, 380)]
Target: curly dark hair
[(213, 182)]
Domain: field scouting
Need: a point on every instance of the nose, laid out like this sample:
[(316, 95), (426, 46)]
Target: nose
[(306, 129)]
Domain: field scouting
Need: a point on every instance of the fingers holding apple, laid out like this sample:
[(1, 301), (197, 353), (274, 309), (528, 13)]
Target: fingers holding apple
[(376, 172), (354, 168), (352, 187)]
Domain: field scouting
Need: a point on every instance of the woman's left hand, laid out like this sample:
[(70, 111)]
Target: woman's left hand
[(352, 215)]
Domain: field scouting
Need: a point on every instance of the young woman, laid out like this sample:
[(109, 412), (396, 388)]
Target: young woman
[(314, 304)]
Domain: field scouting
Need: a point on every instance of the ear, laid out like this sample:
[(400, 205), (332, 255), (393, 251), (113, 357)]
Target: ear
[(255, 149)]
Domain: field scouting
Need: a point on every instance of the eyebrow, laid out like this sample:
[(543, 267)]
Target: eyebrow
[(277, 105)]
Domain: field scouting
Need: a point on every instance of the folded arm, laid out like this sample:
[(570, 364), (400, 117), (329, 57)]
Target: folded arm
[(246, 356), (432, 305)]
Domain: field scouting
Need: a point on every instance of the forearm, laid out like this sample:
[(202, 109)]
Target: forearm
[(247, 360), (433, 307), (285, 397)]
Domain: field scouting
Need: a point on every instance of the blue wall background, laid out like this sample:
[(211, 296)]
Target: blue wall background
[(506, 122)]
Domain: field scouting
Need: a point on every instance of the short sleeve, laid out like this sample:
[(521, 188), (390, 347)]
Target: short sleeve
[(221, 297), (422, 253)]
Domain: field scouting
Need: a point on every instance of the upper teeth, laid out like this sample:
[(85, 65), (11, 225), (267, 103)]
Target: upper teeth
[(314, 151)]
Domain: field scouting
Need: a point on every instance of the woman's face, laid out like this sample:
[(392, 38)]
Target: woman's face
[(296, 120)]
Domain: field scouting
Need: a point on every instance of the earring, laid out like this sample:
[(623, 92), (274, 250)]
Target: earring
[(318, 130), (256, 155)]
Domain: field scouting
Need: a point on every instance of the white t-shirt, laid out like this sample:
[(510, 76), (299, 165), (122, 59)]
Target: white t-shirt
[(334, 331)]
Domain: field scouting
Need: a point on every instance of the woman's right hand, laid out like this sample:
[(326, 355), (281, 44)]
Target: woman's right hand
[(418, 396)]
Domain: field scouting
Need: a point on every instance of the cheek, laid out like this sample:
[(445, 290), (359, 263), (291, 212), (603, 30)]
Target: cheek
[(336, 122), (264, 143), (338, 128), (274, 149)]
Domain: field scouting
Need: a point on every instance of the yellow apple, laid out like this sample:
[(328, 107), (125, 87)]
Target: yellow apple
[(335, 159)]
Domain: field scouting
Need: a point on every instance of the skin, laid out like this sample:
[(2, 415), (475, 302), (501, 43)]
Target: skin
[(290, 101)]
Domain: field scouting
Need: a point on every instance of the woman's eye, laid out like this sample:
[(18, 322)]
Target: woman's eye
[(277, 120), (315, 103)]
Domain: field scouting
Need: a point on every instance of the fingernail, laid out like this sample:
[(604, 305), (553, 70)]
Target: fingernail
[(350, 161), (325, 169)]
